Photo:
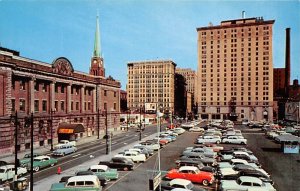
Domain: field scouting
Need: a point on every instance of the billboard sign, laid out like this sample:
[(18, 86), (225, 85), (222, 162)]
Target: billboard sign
[(292, 111)]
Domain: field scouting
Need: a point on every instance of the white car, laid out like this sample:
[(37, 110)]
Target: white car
[(236, 153), (133, 155), (181, 184), (196, 129), (7, 172), (246, 183), (209, 139), (234, 162), (179, 130), (63, 143), (150, 145), (235, 140)]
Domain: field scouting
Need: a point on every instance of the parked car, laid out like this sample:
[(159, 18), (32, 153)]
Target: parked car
[(234, 162), (7, 172), (143, 147), (151, 145), (191, 173), (42, 162), (245, 167), (133, 155), (209, 139), (65, 142), (200, 158), (179, 183), (103, 180), (179, 130), (64, 150), (2, 163), (246, 183), (89, 182), (196, 129), (104, 170), (27, 158), (200, 151), (235, 140), (119, 163)]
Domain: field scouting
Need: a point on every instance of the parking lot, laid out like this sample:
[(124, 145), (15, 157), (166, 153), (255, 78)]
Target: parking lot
[(283, 168)]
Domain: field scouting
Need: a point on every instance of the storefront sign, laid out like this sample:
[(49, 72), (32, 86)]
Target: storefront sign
[(66, 131)]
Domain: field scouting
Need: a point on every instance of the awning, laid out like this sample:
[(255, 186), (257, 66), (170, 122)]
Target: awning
[(67, 128), (288, 138)]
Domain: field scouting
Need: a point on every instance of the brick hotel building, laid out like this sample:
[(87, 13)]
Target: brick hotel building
[(235, 70), (64, 102)]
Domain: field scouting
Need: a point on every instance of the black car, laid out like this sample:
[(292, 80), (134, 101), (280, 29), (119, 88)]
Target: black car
[(2, 163), (119, 163), (255, 173), (102, 179)]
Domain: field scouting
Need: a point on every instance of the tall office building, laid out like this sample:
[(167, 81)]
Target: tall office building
[(235, 70), (190, 77), (151, 85)]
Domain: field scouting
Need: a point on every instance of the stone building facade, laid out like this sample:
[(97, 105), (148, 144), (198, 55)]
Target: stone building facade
[(57, 96)]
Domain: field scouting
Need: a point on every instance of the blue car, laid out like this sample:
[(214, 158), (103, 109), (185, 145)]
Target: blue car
[(64, 150)]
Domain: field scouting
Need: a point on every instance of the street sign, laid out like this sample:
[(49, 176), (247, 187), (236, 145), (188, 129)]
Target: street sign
[(155, 182)]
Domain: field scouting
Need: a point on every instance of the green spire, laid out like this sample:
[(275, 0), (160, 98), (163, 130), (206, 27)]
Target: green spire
[(97, 45)]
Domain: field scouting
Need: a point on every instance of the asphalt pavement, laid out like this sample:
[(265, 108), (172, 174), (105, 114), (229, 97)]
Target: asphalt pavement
[(283, 168)]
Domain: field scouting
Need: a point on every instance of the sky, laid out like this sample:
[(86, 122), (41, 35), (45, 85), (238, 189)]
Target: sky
[(134, 30)]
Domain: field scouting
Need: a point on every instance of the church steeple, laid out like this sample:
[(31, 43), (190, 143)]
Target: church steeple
[(97, 66), (97, 44)]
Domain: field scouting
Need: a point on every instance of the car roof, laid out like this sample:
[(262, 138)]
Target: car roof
[(83, 178), (250, 179), (188, 168), (103, 167), (180, 181), (239, 160), (240, 153), (41, 157)]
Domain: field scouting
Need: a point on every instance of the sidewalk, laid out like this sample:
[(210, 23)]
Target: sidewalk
[(45, 184), (46, 149)]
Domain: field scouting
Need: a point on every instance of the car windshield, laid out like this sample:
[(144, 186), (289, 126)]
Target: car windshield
[(37, 160), (2, 170), (190, 186)]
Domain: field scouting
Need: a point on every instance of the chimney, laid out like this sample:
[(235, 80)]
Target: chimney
[(287, 62), (243, 14)]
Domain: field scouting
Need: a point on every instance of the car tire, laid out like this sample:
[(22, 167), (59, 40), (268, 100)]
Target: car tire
[(205, 182), (36, 169), (125, 168), (218, 142), (227, 142), (243, 143)]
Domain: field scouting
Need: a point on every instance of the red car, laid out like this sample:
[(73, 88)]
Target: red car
[(191, 173)]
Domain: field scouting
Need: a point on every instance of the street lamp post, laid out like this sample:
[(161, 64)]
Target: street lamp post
[(298, 107), (140, 124), (51, 133), (106, 132)]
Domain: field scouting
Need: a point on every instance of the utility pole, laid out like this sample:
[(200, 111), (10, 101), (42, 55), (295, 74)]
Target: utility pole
[(106, 132), (16, 145), (127, 119), (140, 124), (98, 122), (51, 133), (31, 155)]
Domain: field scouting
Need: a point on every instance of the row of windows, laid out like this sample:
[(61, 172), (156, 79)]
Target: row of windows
[(59, 105), (235, 30), (62, 88)]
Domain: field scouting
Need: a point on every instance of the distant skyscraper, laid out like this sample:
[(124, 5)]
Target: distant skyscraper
[(235, 70), (190, 77), (151, 84)]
